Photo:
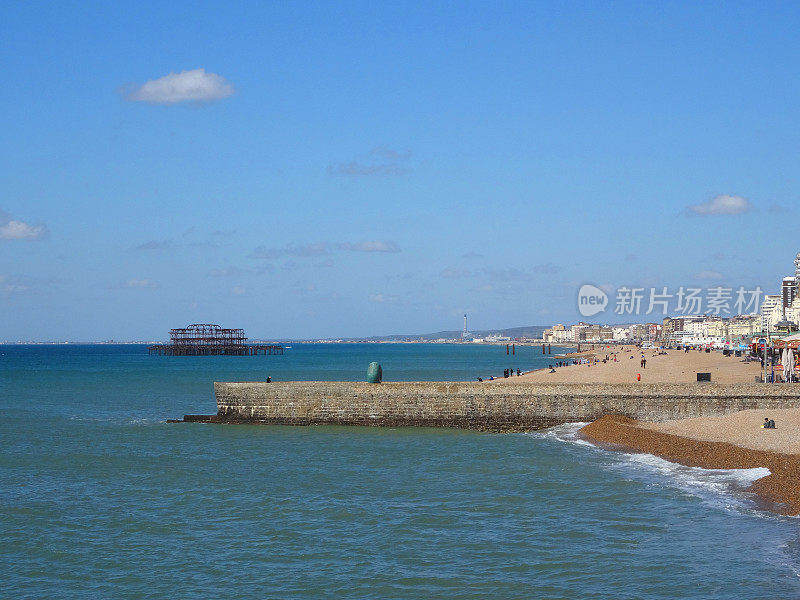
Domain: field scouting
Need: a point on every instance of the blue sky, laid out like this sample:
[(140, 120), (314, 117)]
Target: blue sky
[(362, 168)]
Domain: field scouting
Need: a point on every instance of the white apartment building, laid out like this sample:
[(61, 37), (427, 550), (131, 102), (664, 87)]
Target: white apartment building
[(746, 325), (620, 334), (690, 338), (697, 328), (771, 311), (557, 334)]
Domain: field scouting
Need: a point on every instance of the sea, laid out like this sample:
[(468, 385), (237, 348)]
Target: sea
[(100, 497)]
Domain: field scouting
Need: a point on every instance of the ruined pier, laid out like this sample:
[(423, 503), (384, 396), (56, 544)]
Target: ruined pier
[(208, 339)]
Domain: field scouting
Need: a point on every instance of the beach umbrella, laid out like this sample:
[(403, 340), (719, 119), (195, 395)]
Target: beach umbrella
[(782, 358), (785, 363)]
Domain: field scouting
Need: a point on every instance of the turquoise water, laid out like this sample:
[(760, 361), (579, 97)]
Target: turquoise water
[(100, 498)]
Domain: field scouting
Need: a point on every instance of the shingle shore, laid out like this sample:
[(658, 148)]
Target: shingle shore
[(781, 487)]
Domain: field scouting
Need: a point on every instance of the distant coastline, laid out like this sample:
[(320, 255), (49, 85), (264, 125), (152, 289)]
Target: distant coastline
[(290, 341)]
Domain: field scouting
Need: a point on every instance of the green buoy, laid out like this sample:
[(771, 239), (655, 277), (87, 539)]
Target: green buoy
[(374, 373)]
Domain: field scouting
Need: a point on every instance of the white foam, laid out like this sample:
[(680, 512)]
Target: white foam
[(721, 488), (716, 486), (713, 479), (567, 432)]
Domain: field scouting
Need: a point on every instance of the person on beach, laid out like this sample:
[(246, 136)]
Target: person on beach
[(644, 363), (269, 379)]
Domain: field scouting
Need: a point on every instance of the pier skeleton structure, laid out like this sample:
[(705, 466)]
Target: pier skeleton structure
[(208, 339)]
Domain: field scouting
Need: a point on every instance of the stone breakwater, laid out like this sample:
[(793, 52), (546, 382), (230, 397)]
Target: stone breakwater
[(504, 407)]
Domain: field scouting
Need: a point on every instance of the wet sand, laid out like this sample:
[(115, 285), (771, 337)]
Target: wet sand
[(734, 441), (676, 366)]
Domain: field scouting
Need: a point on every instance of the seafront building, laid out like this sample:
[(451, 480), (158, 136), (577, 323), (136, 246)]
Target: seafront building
[(771, 311), (693, 330), (777, 314), (781, 312)]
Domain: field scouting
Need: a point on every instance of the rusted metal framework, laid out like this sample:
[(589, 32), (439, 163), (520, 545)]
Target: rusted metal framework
[(208, 339)]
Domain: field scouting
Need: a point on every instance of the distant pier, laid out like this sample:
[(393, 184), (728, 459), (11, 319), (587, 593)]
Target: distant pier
[(207, 339)]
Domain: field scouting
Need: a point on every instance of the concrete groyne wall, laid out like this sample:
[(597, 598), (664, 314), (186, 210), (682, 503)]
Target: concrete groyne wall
[(492, 407)]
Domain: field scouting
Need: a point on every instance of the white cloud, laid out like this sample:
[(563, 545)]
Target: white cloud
[(227, 272), (140, 283), (390, 153), (721, 205), (708, 275), (358, 169), (456, 273), (373, 246), (154, 245), (11, 287), (187, 86), (238, 291), (322, 249), (383, 299), (547, 268), (303, 251), (382, 161), (19, 230)]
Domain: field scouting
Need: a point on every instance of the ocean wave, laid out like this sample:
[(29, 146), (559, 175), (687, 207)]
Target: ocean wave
[(697, 477), (567, 432), (724, 488)]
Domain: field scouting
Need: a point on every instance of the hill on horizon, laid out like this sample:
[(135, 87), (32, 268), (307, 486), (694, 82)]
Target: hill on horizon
[(531, 331)]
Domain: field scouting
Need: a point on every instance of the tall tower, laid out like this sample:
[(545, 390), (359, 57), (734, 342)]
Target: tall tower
[(797, 265), (465, 334)]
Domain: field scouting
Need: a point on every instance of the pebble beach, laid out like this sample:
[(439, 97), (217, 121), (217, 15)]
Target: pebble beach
[(734, 441), (779, 489)]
